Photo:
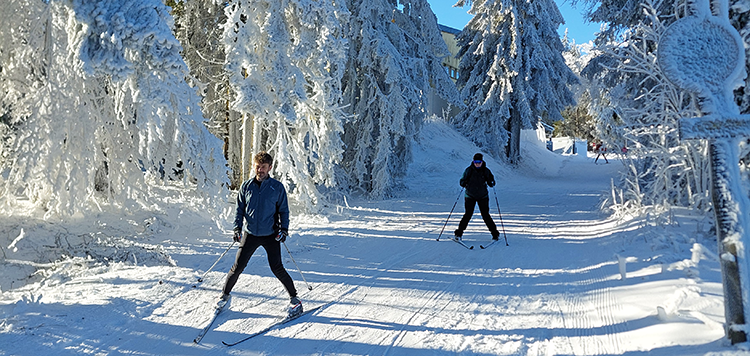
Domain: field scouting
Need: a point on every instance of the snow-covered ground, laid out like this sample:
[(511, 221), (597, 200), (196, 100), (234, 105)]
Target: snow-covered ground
[(572, 281)]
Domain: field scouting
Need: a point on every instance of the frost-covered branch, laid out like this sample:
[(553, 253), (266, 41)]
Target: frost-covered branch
[(643, 116), (285, 61), (110, 115)]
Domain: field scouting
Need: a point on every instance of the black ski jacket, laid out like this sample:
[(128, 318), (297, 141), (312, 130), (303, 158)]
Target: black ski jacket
[(476, 180)]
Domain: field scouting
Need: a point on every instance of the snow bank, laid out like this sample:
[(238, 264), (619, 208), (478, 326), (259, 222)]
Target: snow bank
[(441, 150), (535, 157)]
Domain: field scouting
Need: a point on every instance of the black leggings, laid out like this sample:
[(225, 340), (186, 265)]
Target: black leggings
[(484, 209), (248, 245)]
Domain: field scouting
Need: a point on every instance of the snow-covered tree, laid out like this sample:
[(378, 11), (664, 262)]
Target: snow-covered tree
[(641, 110), (624, 15), (96, 108), (578, 120), (393, 63), (198, 27), (285, 61), (739, 16), (512, 72)]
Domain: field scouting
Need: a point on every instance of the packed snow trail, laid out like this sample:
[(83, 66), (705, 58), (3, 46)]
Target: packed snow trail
[(391, 289)]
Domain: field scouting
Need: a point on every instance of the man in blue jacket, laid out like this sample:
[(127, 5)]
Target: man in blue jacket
[(475, 179), (262, 219)]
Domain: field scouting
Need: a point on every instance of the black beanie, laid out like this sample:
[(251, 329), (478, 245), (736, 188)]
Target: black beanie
[(478, 157)]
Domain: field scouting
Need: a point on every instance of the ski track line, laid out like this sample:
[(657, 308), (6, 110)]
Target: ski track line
[(587, 315), (208, 304), (248, 326), (402, 332), (391, 262)]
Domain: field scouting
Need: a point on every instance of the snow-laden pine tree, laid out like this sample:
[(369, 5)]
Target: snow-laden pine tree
[(395, 48), (285, 60), (96, 108), (512, 72)]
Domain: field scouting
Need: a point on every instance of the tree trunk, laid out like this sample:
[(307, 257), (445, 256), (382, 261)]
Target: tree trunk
[(514, 141), (248, 144), (234, 147)]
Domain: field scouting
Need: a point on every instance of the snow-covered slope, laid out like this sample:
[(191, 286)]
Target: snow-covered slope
[(572, 281)]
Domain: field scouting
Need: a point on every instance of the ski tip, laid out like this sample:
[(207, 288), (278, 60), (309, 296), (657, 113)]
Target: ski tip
[(471, 247)]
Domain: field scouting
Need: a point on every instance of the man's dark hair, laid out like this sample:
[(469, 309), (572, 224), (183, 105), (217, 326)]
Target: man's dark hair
[(263, 157)]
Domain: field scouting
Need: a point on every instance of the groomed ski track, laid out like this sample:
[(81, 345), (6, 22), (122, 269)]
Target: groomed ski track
[(392, 289)]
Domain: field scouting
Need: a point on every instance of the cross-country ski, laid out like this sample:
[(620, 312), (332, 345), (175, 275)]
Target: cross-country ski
[(460, 242), (217, 310), (489, 244), (286, 320)]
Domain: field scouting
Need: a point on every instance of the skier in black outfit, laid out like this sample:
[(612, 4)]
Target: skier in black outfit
[(475, 179)]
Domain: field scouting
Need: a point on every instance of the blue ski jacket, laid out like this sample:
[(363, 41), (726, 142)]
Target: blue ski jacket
[(262, 209)]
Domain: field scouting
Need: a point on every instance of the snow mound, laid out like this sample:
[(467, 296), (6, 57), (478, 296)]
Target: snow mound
[(40, 252)]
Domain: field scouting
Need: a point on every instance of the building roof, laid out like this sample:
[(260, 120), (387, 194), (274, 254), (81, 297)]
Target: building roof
[(450, 30)]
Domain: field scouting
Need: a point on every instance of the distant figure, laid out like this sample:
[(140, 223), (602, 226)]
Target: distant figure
[(600, 151), (475, 179)]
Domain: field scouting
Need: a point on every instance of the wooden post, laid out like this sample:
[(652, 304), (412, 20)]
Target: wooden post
[(729, 217), (704, 54)]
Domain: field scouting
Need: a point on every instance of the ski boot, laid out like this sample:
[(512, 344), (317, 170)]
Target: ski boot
[(457, 235), (295, 308), (495, 235), (223, 301)]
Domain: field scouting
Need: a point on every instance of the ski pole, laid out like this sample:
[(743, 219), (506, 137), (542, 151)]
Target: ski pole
[(451, 213), (200, 279), (309, 287), (501, 217)]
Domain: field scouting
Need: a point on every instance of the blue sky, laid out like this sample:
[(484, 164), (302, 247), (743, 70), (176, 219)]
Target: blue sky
[(578, 29)]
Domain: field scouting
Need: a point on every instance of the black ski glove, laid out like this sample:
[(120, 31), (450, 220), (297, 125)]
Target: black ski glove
[(281, 237), (491, 183), (237, 235)]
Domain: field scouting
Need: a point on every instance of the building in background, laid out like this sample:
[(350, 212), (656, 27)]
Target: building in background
[(450, 63), (437, 105)]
